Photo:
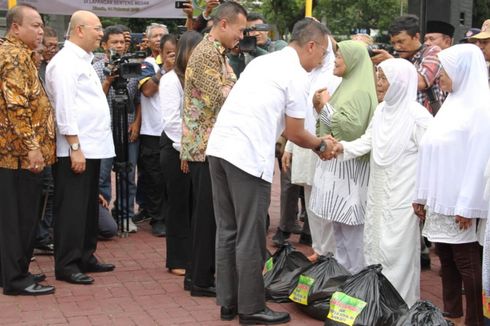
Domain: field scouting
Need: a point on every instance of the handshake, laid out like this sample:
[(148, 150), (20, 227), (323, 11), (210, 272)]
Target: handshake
[(333, 148)]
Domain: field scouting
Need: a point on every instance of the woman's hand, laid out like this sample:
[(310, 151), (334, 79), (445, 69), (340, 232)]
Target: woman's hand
[(320, 98), (184, 166), (419, 210), (463, 222)]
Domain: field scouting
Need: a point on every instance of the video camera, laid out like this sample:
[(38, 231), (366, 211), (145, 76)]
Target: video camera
[(249, 43), (125, 66), (380, 46)]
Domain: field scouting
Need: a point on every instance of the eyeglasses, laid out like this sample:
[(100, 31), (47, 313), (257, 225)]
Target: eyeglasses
[(325, 50), (96, 28)]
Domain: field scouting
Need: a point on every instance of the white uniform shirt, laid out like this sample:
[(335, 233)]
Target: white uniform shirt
[(171, 108), (151, 114), (253, 115), (79, 102)]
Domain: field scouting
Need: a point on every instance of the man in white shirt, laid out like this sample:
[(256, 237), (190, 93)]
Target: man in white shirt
[(267, 100), (84, 137), (151, 128)]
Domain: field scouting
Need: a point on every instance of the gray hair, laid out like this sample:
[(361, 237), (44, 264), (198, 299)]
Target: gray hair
[(154, 26)]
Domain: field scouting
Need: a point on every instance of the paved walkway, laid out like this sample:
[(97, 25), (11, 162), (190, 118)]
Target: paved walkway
[(141, 291)]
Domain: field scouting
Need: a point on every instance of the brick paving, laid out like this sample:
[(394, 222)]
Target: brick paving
[(141, 291)]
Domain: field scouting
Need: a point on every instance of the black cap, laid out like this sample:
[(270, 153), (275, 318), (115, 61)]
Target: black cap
[(436, 26)]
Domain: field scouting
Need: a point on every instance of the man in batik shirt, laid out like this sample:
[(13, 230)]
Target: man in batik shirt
[(208, 80), (27, 146)]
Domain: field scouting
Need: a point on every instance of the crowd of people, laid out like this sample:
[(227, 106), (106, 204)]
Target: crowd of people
[(389, 150)]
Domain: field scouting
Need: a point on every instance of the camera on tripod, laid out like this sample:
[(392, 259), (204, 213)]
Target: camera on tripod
[(249, 43), (125, 66)]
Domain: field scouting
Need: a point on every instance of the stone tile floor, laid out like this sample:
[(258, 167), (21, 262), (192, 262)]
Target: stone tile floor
[(141, 291)]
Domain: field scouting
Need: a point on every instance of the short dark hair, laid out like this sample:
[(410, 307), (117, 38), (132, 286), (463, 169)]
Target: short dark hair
[(16, 14), (256, 16), (167, 38), (229, 10), (110, 30), (307, 30), (123, 27), (407, 23), (50, 32)]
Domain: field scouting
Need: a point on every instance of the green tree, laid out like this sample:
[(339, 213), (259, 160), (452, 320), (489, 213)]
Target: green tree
[(481, 12)]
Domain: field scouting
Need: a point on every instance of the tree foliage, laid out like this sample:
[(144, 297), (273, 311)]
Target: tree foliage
[(341, 15), (481, 12)]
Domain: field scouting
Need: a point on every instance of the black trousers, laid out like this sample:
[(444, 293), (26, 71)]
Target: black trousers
[(178, 208), (76, 212), (203, 226), (20, 202), (149, 164)]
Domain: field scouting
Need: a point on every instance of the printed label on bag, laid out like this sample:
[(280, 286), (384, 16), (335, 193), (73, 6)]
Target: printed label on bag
[(344, 308), (300, 293), (268, 265)]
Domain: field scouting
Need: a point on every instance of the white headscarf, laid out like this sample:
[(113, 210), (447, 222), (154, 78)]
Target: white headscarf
[(456, 147), (396, 116)]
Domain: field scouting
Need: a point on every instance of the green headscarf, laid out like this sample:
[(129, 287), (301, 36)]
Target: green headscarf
[(355, 99)]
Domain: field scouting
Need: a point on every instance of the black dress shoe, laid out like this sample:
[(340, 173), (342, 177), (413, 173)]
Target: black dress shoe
[(228, 313), (187, 283), (280, 238), (159, 229), (197, 291), (33, 289), (44, 249), (265, 317), (39, 277), (76, 278), (99, 268)]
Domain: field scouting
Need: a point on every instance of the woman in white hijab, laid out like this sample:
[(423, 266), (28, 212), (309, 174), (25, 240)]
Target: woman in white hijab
[(391, 229), (450, 182)]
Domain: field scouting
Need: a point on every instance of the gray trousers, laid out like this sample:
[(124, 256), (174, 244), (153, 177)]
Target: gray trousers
[(240, 202)]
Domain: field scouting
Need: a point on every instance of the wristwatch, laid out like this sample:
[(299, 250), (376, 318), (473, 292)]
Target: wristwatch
[(322, 147), (75, 146)]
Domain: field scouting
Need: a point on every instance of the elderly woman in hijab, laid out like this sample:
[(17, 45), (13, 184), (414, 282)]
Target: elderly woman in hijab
[(340, 187), (450, 183), (391, 230)]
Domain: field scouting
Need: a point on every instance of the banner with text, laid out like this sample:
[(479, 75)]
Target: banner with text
[(107, 8)]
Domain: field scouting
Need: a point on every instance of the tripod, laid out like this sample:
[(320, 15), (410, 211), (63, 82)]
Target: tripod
[(121, 165)]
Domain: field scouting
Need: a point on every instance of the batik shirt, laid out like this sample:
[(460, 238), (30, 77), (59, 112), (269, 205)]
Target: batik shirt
[(26, 115), (207, 84)]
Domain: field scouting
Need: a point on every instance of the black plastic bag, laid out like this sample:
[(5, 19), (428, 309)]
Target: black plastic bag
[(327, 276), (366, 299), (282, 271), (423, 313)]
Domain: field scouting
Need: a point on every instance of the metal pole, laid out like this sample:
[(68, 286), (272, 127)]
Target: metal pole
[(308, 8)]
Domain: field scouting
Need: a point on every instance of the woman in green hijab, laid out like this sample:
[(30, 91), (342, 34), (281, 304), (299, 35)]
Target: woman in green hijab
[(340, 187)]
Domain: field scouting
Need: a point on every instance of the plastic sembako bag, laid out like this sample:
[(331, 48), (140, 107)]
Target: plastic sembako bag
[(317, 284), (281, 272), (423, 313), (366, 299)]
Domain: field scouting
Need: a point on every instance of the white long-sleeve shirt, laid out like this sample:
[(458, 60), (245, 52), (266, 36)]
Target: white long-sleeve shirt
[(79, 102)]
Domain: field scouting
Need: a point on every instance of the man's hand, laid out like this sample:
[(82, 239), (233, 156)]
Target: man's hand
[(463, 222), (188, 9), (210, 5), (328, 153), (286, 160), (320, 98), (77, 161), (36, 161), (134, 131), (380, 56), (184, 166), (103, 202), (419, 210)]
